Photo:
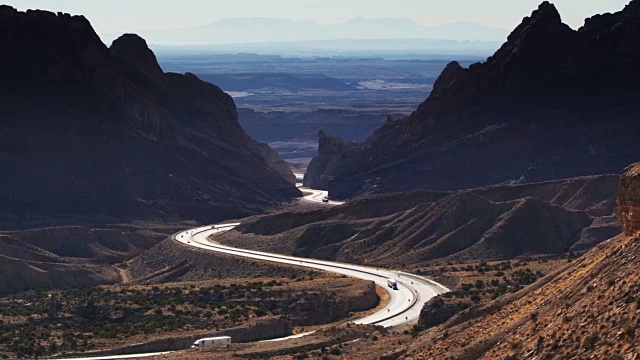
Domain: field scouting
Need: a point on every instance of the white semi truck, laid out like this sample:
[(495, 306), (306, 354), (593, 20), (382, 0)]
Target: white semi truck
[(392, 284), (220, 340)]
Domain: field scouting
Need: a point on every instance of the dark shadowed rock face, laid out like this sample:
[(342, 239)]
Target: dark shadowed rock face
[(95, 131), (436, 311), (331, 151), (551, 103)]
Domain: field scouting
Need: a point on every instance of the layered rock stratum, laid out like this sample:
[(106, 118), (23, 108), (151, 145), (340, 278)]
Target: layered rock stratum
[(429, 227), (551, 103)]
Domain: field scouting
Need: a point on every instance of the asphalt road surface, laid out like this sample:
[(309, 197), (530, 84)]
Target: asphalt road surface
[(404, 304), (313, 195)]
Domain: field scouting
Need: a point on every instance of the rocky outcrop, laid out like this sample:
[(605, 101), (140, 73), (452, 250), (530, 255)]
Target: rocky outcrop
[(109, 245), (322, 308), (629, 200), (274, 162), (436, 311), (331, 151), (551, 103), (102, 132)]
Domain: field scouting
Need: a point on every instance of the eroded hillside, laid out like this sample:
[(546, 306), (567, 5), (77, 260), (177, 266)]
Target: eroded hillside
[(69, 256), (588, 309), (423, 227)]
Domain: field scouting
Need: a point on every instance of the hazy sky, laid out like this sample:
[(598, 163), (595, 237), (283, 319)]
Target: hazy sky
[(119, 16)]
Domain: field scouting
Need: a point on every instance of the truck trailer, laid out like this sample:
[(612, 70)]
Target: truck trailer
[(392, 284), (220, 340)]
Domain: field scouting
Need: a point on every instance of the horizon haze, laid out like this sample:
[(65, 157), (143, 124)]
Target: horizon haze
[(248, 21)]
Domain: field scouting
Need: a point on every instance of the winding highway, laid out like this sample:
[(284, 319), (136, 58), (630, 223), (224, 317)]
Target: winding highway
[(404, 304), (313, 195), (318, 196)]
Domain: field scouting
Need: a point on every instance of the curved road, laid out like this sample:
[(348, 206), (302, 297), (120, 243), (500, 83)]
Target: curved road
[(314, 195), (317, 196), (404, 304)]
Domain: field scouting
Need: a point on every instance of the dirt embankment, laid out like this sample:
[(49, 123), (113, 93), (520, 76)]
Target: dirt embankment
[(257, 330), (325, 343), (171, 261), (326, 302), (68, 256)]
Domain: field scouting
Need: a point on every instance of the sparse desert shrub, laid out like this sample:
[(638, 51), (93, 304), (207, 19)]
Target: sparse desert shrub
[(614, 357), (590, 340), (534, 316), (415, 330)]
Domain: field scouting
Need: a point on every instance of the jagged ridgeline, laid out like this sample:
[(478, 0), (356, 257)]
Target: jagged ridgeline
[(551, 103), (96, 131)]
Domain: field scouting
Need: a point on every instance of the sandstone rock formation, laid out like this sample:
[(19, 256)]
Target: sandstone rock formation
[(436, 311), (551, 103), (629, 200), (102, 132)]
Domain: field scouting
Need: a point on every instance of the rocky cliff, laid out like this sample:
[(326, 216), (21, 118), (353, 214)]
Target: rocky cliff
[(102, 132), (586, 309), (331, 152), (551, 103), (629, 200)]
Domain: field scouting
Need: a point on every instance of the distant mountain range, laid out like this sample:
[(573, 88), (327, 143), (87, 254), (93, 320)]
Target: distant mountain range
[(429, 48), (253, 30)]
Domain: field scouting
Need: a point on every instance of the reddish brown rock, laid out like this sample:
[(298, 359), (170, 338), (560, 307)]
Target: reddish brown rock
[(629, 200)]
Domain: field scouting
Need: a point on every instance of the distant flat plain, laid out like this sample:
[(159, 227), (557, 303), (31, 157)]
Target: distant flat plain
[(286, 100)]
